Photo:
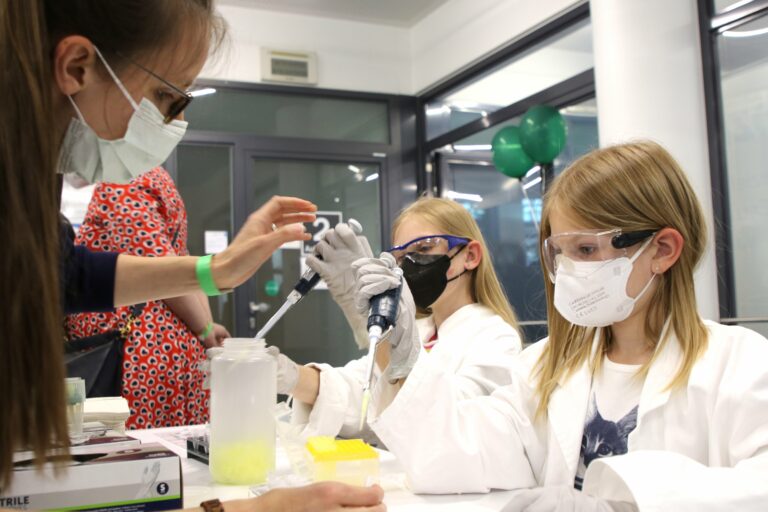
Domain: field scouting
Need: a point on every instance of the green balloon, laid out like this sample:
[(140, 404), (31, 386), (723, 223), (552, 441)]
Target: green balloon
[(508, 154), (271, 288), (542, 133)]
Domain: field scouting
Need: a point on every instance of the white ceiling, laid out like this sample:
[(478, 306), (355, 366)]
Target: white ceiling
[(401, 13)]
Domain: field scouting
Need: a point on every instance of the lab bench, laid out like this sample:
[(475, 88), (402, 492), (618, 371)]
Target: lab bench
[(198, 485)]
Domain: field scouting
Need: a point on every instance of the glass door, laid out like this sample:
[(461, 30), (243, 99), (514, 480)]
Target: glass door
[(203, 174), (343, 188)]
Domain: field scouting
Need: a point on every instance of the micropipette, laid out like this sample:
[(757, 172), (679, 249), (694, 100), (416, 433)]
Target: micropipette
[(308, 280), (381, 320)]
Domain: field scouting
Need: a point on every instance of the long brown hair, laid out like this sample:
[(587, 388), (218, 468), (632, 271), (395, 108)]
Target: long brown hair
[(32, 376), (453, 219), (636, 186)]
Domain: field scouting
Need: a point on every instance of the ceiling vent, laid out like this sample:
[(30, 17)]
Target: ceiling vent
[(288, 67)]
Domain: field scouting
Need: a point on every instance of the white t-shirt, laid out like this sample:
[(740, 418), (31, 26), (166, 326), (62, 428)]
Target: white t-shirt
[(611, 415)]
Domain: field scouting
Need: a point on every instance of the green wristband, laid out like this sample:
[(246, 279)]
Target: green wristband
[(208, 330), (204, 277)]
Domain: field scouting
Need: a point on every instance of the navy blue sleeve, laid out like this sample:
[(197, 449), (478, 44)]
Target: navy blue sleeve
[(88, 278)]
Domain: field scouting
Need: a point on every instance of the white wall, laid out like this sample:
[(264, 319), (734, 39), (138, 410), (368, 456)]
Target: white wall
[(461, 32), (650, 85), (379, 58), (351, 55)]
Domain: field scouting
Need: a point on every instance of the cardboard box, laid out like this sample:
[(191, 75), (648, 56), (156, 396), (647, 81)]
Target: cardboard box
[(143, 478)]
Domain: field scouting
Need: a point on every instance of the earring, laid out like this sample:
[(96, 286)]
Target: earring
[(656, 269)]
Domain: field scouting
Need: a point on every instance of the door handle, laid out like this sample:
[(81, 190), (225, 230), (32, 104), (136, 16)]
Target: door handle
[(261, 307)]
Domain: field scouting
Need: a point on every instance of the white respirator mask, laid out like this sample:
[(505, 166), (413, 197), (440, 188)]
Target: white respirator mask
[(594, 293), (147, 143)]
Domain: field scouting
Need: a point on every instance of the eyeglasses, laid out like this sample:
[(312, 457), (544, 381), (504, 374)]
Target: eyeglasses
[(178, 105), (430, 244), (593, 246)]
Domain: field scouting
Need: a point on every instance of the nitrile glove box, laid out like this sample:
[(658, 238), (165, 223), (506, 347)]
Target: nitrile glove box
[(144, 478)]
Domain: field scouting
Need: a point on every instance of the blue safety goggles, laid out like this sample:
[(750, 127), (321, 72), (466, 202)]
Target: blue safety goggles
[(430, 244)]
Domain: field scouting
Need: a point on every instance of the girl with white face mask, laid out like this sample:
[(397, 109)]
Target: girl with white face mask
[(633, 401)]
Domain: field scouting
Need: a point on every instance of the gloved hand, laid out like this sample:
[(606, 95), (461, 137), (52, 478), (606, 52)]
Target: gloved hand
[(563, 499), (375, 276), (287, 371), (339, 248)]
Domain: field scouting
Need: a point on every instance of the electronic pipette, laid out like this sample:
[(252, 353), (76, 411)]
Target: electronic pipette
[(381, 320), (308, 280)]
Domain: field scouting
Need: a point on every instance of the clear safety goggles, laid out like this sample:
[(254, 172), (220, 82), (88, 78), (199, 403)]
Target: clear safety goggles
[(590, 246), (427, 245)]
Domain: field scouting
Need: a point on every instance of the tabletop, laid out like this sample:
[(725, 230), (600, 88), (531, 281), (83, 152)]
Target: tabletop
[(198, 485)]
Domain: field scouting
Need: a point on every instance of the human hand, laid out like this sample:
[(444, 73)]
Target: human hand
[(375, 276), (320, 497), (256, 240), (563, 499), (339, 248), (217, 336), (287, 371)]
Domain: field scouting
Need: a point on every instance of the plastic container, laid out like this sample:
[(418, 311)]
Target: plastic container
[(75, 400), (350, 461), (243, 395)]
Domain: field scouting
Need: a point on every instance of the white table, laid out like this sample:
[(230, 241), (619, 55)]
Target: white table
[(198, 485)]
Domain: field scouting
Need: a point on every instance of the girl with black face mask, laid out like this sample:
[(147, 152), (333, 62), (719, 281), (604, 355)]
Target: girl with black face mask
[(464, 319)]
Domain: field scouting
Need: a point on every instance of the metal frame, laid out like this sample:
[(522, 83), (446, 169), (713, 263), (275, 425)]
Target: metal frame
[(710, 26)]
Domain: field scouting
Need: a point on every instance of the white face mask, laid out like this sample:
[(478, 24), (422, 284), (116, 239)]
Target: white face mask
[(146, 144), (594, 293)]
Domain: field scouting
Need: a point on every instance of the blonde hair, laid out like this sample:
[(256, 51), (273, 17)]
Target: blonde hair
[(636, 186), (453, 219)]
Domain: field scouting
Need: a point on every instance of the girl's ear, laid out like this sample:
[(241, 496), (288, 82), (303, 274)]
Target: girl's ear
[(669, 244), (74, 64), (474, 255)]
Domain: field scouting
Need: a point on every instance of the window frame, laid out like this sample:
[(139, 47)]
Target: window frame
[(711, 25)]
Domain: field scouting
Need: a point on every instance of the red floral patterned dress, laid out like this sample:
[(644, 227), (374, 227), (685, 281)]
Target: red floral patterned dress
[(161, 380)]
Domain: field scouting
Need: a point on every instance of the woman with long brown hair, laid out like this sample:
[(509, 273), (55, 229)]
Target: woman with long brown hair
[(97, 88), (633, 397)]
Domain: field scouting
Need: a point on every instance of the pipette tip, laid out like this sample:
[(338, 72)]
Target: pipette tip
[(364, 409)]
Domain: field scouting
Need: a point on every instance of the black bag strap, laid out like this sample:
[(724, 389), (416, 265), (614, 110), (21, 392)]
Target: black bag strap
[(97, 340)]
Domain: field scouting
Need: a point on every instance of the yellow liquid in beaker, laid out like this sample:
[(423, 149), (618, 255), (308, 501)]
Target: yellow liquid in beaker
[(241, 463)]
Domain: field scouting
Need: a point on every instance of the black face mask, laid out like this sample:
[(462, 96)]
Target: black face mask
[(426, 276)]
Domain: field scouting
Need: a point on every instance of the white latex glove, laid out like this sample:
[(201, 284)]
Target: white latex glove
[(563, 499), (287, 371), (340, 247), (375, 276)]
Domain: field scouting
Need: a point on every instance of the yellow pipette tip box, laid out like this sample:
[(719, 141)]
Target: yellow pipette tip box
[(351, 461)]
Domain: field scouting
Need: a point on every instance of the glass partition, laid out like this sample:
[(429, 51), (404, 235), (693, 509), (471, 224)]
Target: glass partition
[(290, 115), (743, 57), (508, 210), (545, 65)]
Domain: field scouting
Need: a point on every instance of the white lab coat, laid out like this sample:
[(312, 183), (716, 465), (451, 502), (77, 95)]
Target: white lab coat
[(700, 448), (475, 347)]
